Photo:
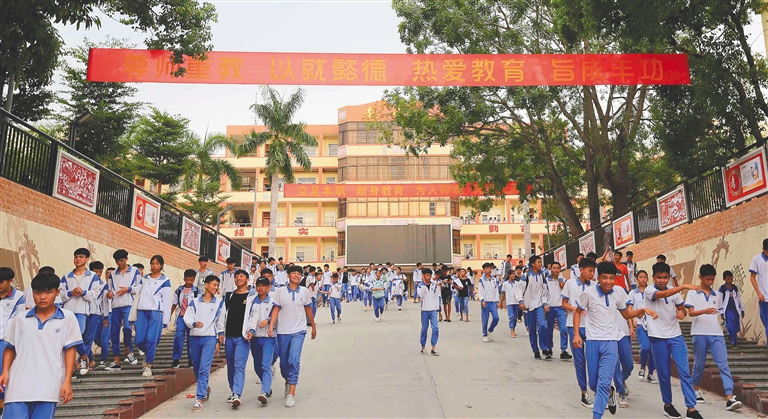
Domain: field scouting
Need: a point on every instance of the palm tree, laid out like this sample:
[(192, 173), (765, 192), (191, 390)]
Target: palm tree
[(286, 141), (204, 180)]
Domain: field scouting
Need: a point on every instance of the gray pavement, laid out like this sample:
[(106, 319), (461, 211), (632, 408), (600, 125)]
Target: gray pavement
[(363, 369)]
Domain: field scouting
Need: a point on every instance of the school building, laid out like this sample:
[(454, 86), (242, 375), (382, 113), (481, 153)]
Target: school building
[(364, 201)]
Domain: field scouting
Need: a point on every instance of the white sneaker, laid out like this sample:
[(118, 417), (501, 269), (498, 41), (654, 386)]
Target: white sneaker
[(485, 339), (290, 401), (83, 367), (131, 359), (641, 375), (198, 407), (699, 396), (263, 398), (490, 336), (378, 319), (623, 401), (230, 398), (141, 353), (147, 372), (236, 401), (258, 380)]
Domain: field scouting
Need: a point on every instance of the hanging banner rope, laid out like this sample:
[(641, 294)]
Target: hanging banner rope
[(281, 68)]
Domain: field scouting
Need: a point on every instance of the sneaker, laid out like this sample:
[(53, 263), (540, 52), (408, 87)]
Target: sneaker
[(287, 390), (434, 353), (641, 375), (197, 408), (269, 394), (699, 396), (652, 380), (399, 309), (623, 403), (101, 365), (693, 414), (333, 321), (131, 359), (83, 367), (263, 398), (230, 398), (175, 364), (207, 395), (113, 367), (612, 401), (378, 319), (671, 412), (490, 335), (258, 380), (147, 371), (733, 404), (547, 354), (141, 353), (586, 401), (339, 318), (485, 339), (537, 355), (565, 355), (423, 351), (236, 401), (290, 401)]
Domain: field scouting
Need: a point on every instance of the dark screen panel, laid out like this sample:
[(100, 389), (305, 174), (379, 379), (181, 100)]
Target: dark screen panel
[(406, 244)]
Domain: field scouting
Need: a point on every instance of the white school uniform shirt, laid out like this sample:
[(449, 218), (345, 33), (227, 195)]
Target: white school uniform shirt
[(666, 326), (208, 313), (488, 289), (312, 292), (281, 278), (10, 306), (326, 277), (259, 311), (572, 291), (759, 267), (227, 281), (536, 292), (354, 280), (40, 348), (156, 295), (512, 292), (430, 296), (292, 317), (397, 286), (631, 269), (705, 324), (131, 279), (416, 276), (601, 309), (100, 306), (555, 292), (637, 299), (727, 295), (575, 271), (88, 282), (336, 290)]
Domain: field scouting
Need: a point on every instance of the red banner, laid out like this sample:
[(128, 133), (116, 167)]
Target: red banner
[(407, 190), (282, 68)]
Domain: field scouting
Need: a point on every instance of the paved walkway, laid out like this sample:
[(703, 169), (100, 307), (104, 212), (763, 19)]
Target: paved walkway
[(363, 369)]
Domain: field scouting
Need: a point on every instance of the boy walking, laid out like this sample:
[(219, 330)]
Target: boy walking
[(488, 291), (536, 302), (234, 336), (262, 345), (429, 300), (732, 309), (202, 273), (555, 286), (571, 293), (334, 294), (181, 298), (462, 284), (511, 297), (758, 275), (78, 290), (703, 305), (11, 303), (124, 282)]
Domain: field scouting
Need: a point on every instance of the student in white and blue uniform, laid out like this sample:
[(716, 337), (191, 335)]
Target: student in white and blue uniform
[(228, 277), (536, 303), (555, 284), (181, 298), (417, 282), (488, 291), (235, 334), (204, 318), (571, 292), (397, 288), (46, 336), (637, 298), (11, 303), (575, 270), (124, 283), (732, 309), (326, 285), (78, 290), (667, 342), (98, 319), (600, 303), (758, 275), (704, 305), (153, 311), (429, 300), (262, 345), (366, 290), (511, 297), (289, 314)]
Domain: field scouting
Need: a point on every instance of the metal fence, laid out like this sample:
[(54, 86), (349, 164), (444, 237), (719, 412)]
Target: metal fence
[(28, 157), (704, 195)]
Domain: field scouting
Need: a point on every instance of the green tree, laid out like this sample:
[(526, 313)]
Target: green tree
[(101, 137), (203, 183), (28, 38), (285, 140), (162, 145)]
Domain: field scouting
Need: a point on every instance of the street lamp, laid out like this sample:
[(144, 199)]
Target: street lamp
[(73, 127)]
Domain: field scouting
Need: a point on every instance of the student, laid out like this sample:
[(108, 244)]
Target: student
[(397, 288), (536, 302), (555, 286), (181, 298), (758, 275), (29, 299), (488, 291), (124, 283), (313, 281), (511, 297), (153, 311), (446, 288), (732, 309), (44, 335), (575, 273), (228, 277), (98, 317), (203, 317), (461, 286), (262, 345), (354, 288), (637, 298), (291, 307), (366, 289), (631, 269), (571, 293), (417, 282), (704, 305), (429, 299), (334, 296), (326, 284), (77, 290), (601, 303), (11, 303), (667, 340), (344, 278), (252, 275), (234, 334), (202, 273), (378, 289), (672, 274)]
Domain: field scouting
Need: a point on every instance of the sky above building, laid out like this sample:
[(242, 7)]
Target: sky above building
[(363, 26)]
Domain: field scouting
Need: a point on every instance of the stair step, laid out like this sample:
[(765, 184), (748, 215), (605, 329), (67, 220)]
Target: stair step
[(106, 402), (93, 413)]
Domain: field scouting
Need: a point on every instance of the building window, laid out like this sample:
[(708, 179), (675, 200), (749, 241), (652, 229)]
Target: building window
[(491, 250), (342, 242), (469, 250), (329, 219), (454, 208), (329, 253), (456, 242), (281, 219), (330, 180), (305, 253), (279, 252), (306, 180), (310, 150), (342, 208), (432, 212), (306, 218), (333, 149)]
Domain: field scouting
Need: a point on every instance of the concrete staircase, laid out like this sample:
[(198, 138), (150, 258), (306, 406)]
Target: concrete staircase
[(126, 394)]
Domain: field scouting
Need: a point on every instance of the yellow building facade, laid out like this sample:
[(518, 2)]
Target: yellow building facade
[(357, 230)]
